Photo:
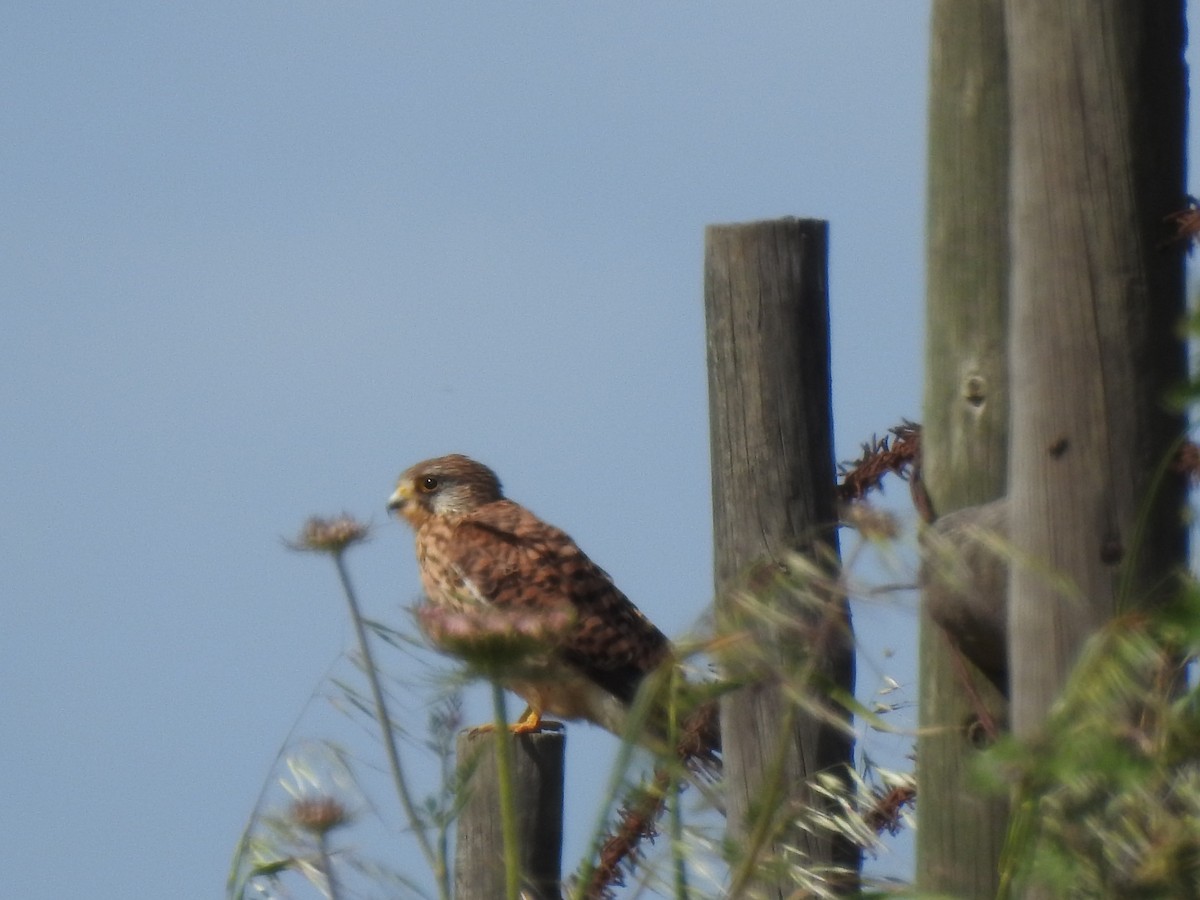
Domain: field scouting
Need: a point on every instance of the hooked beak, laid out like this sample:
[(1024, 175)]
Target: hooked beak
[(399, 498)]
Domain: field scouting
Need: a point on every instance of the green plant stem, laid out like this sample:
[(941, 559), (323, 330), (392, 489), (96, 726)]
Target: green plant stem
[(508, 805), (611, 791), (331, 884), (674, 795), (438, 865)]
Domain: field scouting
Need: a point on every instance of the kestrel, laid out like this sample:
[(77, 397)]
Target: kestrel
[(478, 549)]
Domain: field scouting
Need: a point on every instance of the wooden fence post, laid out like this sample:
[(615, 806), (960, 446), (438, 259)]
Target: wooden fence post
[(766, 304), (964, 447), (1098, 139), (538, 785)]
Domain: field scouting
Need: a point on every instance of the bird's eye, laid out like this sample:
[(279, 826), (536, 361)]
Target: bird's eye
[(428, 484)]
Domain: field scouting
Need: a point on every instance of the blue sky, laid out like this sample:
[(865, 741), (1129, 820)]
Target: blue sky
[(260, 257)]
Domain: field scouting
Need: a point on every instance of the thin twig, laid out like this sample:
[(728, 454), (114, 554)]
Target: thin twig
[(673, 793), (508, 806), (438, 866), (331, 885)]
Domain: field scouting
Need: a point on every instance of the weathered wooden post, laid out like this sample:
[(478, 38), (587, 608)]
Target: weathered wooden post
[(964, 447), (479, 872), (1099, 96), (766, 304)]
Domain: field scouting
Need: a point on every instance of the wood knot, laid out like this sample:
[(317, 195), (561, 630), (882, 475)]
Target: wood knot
[(975, 390), (1059, 447), (980, 734)]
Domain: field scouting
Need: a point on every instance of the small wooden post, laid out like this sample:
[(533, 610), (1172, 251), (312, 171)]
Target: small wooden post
[(538, 784), (766, 304)]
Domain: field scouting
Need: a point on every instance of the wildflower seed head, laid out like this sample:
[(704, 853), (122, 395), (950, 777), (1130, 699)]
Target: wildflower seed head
[(319, 814), (491, 639), (331, 535)]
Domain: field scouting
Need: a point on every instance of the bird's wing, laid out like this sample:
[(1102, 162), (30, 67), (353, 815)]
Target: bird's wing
[(509, 557)]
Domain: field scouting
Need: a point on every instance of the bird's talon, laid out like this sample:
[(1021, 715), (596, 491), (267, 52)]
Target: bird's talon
[(529, 723)]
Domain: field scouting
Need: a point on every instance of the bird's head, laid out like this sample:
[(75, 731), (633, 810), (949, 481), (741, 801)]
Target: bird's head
[(446, 486)]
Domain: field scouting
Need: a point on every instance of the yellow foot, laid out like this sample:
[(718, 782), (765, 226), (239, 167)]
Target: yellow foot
[(529, 723)]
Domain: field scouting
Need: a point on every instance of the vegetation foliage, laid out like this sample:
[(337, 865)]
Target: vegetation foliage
[(296, 842), (1106, 800)]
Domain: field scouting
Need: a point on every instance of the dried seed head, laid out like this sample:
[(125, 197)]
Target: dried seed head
[(871, 522), (320, 814), (493, 639), (330, 535)]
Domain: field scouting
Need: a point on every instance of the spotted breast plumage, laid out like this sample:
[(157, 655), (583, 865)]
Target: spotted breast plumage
[(479, 550)]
